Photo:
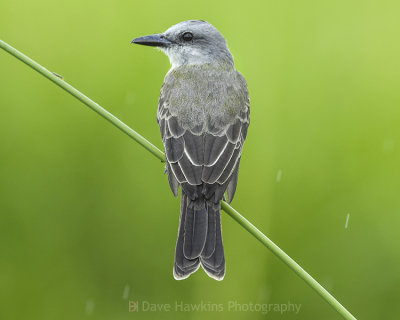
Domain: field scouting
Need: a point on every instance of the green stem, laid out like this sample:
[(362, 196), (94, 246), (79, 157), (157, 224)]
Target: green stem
[(86, 100), (160, 155), (287, 260)]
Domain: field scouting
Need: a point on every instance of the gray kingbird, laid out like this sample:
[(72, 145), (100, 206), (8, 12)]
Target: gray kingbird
[(203, 114)]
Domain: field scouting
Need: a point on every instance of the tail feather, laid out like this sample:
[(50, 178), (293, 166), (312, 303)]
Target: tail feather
[(215, 273), (214, 264), (199, 239), (209, 247), (183, 267), (195, 234)]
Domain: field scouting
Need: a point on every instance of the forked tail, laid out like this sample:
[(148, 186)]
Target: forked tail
[(199, 239)]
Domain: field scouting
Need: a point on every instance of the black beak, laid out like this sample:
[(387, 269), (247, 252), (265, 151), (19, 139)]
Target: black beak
[(155, 40)]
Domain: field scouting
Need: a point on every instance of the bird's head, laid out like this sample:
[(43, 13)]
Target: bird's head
[(190, 42)]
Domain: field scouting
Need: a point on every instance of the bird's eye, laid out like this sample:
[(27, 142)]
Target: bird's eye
[(187, 36)]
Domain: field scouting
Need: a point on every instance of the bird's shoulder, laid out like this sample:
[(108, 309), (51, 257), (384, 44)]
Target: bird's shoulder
[(204, 89), (204, 78)]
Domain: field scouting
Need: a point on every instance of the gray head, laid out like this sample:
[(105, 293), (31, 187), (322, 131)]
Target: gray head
[(190, 42)]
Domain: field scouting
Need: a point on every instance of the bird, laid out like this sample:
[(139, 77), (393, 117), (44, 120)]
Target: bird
[(203, 114)]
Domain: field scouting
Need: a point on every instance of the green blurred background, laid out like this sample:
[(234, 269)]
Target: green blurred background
[(88, 221)]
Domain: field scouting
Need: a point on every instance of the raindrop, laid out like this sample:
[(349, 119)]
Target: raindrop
[(347, 221), (89, 306), (279, 175), (125, 294)]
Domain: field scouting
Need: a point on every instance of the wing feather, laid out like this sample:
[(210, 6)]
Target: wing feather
[(233, 132), (214, 146), (174, 148), (213, 172), (191, 172), (176, 170), (228, 170), (173, 125), (194, 148), (206, 154)]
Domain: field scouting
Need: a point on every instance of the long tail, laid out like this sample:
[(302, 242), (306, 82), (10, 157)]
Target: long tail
[(199, 239)]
